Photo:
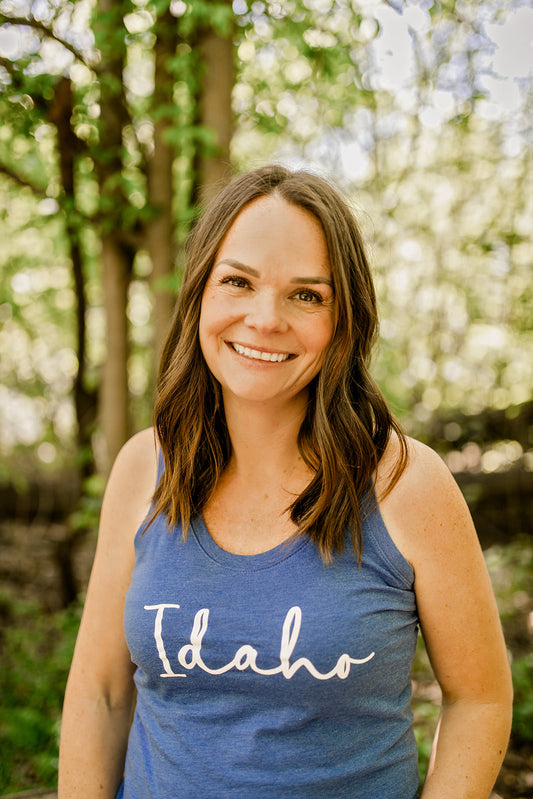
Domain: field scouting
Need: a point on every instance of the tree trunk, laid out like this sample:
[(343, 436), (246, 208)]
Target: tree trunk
[(160, 235), (114, 397), (215, 111), (85, 401), (160, 240), (211, 169), (116, 253)]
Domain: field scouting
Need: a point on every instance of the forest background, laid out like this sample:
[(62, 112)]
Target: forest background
[(119, 120)]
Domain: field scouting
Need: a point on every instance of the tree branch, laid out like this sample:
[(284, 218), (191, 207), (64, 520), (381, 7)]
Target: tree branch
[(8, 65), (20, 180), (43, 29)]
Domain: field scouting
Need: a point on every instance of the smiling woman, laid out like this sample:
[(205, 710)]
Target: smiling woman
[(265, 599)]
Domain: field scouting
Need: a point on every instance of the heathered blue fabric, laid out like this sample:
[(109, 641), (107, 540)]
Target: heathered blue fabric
[(319, 725)]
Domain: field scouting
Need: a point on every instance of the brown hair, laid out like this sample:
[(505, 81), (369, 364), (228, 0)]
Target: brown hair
[(348, 423)]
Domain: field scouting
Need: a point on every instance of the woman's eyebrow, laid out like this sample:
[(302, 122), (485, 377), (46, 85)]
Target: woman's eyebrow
[(312, 280), (240, 266), (254, 273)]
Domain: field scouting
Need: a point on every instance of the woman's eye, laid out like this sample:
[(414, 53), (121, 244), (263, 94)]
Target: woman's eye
[(234, 280), (307, 295)]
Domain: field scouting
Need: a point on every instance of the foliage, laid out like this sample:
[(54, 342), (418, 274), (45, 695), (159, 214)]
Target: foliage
[(417, 115), (87, 514), (439, 166), (511, 569), (35, 653), (522, 669), (425, 710)]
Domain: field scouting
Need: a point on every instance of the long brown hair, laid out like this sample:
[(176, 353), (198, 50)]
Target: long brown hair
[(348, 423)]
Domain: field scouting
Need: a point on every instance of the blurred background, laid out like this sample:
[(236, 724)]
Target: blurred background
[(119, 119)]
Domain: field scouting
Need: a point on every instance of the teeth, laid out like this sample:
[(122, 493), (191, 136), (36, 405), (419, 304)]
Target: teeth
[(260, 356)]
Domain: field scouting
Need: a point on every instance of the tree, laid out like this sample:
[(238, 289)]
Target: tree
[(442, 170), (125, 223)]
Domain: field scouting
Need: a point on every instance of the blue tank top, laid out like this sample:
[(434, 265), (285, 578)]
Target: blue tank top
[(273, 675)]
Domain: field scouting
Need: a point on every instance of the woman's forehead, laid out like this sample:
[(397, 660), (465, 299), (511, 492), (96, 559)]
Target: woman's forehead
[(272, 229)]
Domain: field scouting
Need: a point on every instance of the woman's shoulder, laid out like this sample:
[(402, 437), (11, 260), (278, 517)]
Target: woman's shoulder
[(134, 473), (423, 470), (126, 503), (424, 499), (140, 451)]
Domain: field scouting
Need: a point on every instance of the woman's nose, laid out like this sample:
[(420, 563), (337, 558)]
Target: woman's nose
[(266, 313)]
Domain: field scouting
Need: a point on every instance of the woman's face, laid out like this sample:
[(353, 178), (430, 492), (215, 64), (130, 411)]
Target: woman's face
[(267, 313)]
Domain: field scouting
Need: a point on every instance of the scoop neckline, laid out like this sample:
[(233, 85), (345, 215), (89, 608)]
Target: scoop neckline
[(262, 560)]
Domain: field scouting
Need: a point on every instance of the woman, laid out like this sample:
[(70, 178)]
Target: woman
[(295, 541)]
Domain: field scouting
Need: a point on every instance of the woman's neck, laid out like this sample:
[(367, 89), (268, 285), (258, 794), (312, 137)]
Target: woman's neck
[(248, 510), (264, 440)]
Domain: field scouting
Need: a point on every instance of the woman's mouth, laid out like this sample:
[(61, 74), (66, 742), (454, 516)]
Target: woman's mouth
[(258, 355)]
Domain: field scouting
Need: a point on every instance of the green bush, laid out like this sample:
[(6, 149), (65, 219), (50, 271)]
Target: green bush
[(511, 571), (522, 669), (35, 654)]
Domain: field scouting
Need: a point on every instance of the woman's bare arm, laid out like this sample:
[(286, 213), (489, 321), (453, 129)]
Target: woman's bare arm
[(100, 691), (430, 523)]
